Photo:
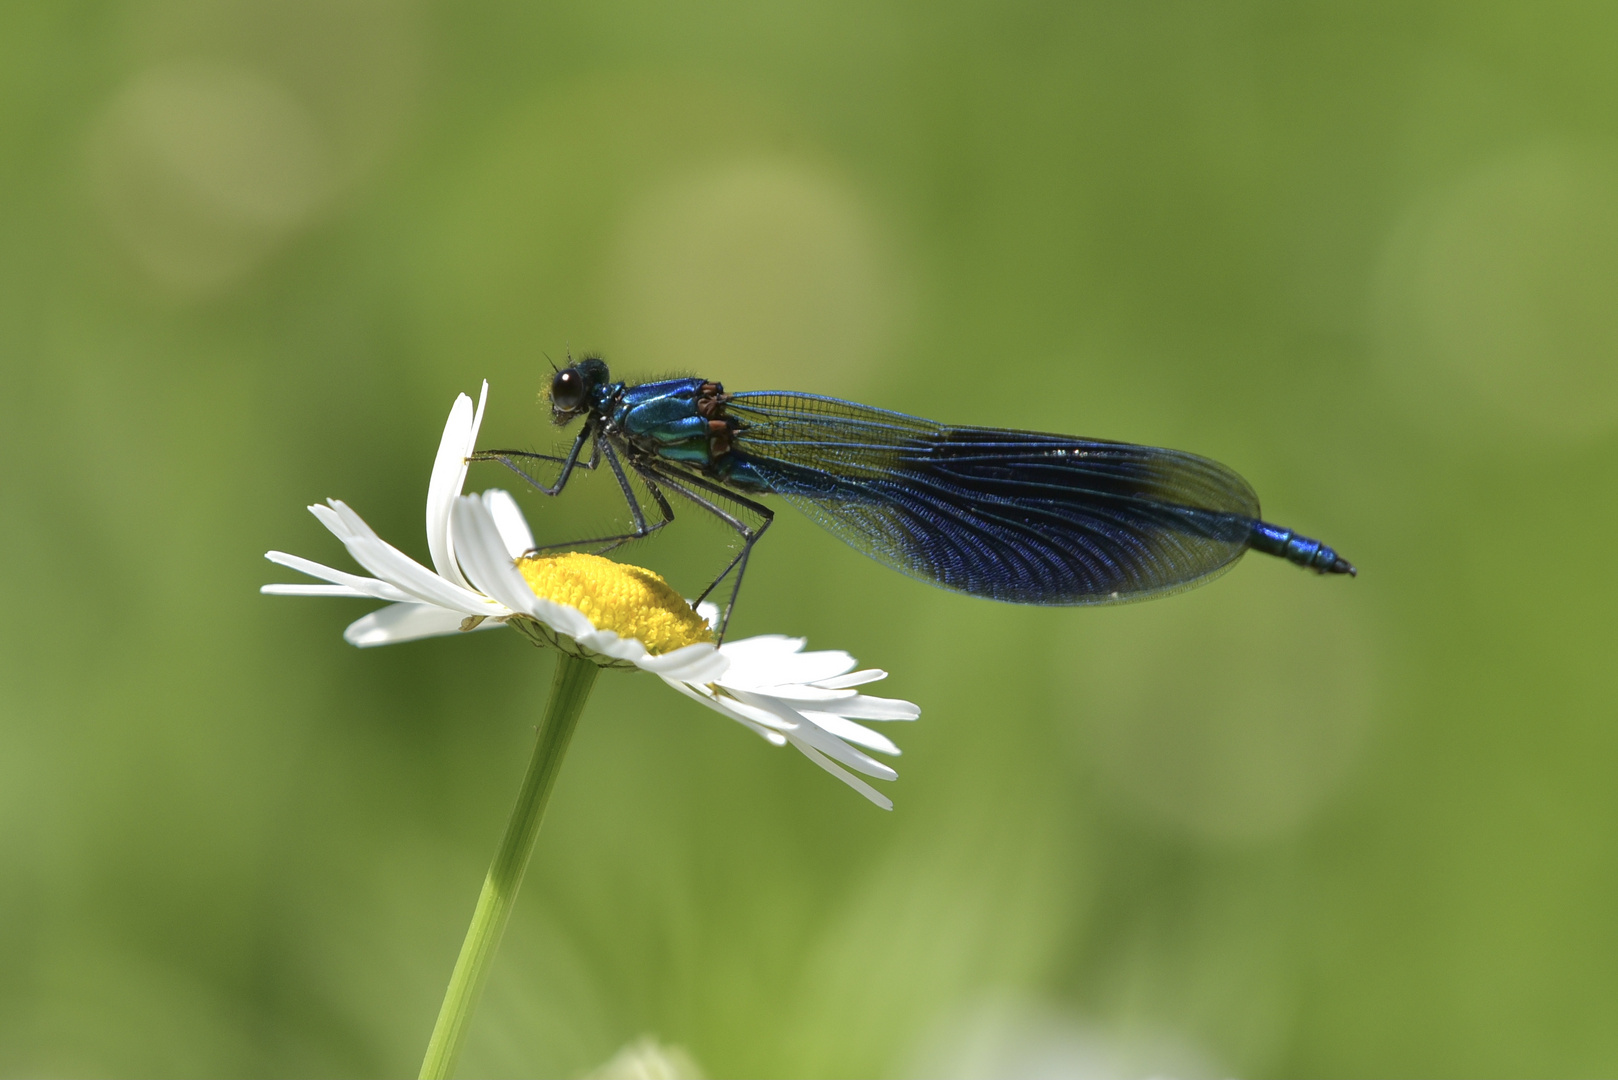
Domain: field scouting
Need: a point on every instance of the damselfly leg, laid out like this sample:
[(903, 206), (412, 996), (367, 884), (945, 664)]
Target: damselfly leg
[(509, 459), (600, 449), (688, 486)]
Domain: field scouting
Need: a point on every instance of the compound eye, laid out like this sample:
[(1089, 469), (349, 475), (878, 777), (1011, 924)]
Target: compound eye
[(567, 390)]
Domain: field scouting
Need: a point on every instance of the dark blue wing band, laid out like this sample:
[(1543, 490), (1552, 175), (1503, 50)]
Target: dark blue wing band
[(1010, 515)]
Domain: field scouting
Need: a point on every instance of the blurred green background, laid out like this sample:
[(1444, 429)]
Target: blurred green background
[(1367, 255)]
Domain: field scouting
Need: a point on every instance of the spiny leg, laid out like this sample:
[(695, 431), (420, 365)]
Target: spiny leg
[(643, 528), (505, 457), (749, 534)]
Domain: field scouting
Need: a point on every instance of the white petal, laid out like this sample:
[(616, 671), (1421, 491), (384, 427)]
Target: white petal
[(477, 421), (853, 678), (483, 553), (328, 517), (849, 731), (760, 720), (406, 622), (315, 590), (771, 661), (392, 565), (865, 707), (709, 612), (448, 477), (753, 715), (567, 621), (507, 515), (796, 691), (698, 663), (362, 586), (845, 776), (608, 643), (814, 666), (775, 738), (804, 730), (758, 649)]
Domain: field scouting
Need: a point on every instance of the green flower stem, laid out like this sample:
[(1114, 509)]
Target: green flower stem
[(574, 678)]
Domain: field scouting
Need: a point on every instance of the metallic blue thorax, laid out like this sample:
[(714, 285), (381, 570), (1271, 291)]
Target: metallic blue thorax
[(661, 418)]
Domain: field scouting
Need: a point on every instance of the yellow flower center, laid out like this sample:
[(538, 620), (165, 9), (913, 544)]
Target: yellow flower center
[(630, 601)]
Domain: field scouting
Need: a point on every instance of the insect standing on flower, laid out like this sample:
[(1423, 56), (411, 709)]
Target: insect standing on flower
[(1008, 515)]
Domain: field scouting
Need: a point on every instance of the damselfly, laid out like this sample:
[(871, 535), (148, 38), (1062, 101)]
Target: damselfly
[(1008, 515)]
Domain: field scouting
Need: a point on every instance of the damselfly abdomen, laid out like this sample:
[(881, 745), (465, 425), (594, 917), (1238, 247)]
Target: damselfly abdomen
[(1008, 515)]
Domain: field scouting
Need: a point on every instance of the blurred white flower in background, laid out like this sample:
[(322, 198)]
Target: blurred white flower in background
[(1009, 1037), (648, 1059), (242, 125)]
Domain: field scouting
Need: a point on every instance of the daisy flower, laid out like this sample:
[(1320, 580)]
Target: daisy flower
[(590, 607)]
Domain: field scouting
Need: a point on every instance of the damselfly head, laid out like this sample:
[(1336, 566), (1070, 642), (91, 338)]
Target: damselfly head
[(573, 388)]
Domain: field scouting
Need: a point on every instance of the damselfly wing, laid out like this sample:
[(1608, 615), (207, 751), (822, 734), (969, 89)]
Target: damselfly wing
[(1010, 515)]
